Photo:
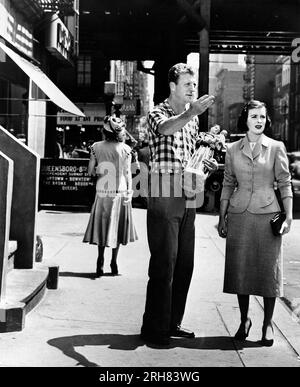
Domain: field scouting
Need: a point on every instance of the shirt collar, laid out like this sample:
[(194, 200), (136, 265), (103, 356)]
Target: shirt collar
[(169, 107)]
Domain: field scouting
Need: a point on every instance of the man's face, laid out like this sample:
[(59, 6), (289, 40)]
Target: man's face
[(185, 89)]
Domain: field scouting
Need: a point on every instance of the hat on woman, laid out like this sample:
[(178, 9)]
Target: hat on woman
[(113, 124), (113, 127)]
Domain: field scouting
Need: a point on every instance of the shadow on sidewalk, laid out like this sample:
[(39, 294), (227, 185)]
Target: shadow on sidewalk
[(85, 275), (68, 344)]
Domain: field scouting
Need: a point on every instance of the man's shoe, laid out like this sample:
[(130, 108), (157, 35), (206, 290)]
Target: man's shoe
[(155, 339), (182, 332)]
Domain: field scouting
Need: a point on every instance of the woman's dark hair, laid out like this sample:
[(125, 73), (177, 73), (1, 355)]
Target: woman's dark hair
[(253, 104), (178, 69)]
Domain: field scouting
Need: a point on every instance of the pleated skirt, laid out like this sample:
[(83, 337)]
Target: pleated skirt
[(253, 261), (110, 222)]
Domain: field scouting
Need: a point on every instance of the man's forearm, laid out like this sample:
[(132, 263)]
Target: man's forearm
[(175, 123)]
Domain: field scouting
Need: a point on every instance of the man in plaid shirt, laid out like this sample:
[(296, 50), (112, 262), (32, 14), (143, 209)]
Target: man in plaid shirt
[(173, 131)]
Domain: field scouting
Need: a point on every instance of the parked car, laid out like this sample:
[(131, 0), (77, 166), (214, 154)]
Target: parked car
[(294, 158), (81, 153)]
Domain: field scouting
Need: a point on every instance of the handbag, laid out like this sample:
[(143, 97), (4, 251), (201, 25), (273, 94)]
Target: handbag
[(276, 222)]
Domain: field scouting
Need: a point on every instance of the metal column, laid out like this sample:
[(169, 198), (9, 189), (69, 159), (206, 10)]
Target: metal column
[(205, 6)]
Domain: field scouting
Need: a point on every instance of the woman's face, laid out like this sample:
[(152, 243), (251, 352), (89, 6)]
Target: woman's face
[(122, 135), (257, 119)]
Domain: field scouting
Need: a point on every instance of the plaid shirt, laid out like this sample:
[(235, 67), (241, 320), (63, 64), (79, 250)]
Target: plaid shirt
[(170, 153)]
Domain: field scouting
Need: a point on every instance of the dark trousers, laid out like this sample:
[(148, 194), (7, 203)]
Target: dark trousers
[(171, 239)]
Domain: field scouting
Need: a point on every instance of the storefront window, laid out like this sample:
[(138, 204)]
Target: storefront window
[(236, 78), (4, 121)]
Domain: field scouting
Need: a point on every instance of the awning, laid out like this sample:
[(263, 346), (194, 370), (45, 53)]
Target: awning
[(43, 82)]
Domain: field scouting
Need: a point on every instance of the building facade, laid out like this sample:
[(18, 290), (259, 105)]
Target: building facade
[(294, 116), (43, 37), (229, 91)]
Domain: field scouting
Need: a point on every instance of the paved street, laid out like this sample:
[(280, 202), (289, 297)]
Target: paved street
[(90, 322)]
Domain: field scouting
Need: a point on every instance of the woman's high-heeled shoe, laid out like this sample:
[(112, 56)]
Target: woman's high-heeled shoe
[(114, 268), (270, 341), (99, 272), (99, 269), (243, 331)]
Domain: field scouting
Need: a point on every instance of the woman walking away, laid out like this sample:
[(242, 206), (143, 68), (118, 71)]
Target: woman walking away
[(253, 263), (110, 223)]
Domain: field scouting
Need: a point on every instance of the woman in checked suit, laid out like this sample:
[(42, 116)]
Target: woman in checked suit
[(253, 263)]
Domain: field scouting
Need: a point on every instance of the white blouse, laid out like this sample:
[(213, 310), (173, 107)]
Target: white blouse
[(252, 145)]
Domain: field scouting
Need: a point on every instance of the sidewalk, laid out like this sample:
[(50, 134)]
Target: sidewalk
[(91, 322)]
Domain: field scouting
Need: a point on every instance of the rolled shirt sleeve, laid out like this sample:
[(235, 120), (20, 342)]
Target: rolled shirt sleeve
[(155, 118)]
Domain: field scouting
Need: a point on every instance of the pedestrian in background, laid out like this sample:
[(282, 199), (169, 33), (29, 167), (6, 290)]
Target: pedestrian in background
[(173, 132), (253, 264), (110, 223)]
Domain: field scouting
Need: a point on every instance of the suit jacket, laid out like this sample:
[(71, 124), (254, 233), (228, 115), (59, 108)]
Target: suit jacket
[(250, 175)]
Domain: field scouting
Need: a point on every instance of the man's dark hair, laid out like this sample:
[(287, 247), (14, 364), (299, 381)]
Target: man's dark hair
[(253, 104), (178, 69)]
